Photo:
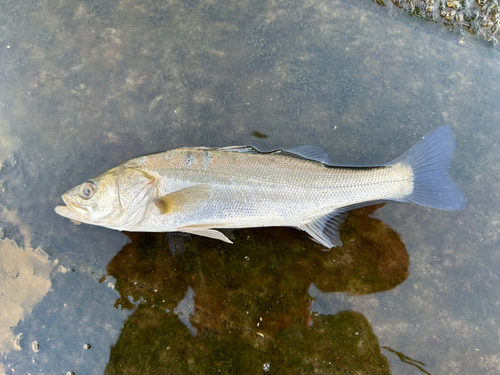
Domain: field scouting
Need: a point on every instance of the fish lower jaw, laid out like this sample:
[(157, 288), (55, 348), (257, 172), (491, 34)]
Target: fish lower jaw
[(63, 211), (72, 213)]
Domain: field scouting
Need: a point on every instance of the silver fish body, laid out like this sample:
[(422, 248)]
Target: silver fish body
[(197, 190)]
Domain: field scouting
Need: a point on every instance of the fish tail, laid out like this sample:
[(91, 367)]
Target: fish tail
[(430, 161)]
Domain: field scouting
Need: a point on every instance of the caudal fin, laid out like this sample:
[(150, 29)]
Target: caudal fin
[(430, 160)]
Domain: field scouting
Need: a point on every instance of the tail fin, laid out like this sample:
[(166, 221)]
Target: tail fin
[(430, 160)]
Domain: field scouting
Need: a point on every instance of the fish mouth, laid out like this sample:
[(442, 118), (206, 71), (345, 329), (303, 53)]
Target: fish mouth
[(73, 211)]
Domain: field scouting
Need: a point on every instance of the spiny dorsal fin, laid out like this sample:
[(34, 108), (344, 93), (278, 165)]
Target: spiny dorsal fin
[(184, 200)]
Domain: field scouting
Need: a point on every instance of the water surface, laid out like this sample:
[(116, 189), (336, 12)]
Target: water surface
[(86, 85)]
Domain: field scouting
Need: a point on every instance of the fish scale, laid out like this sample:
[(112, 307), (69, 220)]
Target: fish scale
[(276, 190), (197, 190)]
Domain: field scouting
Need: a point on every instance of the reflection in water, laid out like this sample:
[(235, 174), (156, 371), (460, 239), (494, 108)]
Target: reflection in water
[(251, 301), (185, 309)]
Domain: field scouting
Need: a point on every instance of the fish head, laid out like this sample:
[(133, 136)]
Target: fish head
[(116, 199)]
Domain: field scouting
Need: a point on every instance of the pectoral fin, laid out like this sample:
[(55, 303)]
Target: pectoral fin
[(185, 200), (202, 230)]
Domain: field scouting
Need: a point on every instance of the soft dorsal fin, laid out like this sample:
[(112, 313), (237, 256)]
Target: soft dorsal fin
[(307, 152), (184, 200)]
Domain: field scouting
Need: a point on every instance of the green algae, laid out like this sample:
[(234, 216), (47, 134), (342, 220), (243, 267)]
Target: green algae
[(251, 303), (154, 342)]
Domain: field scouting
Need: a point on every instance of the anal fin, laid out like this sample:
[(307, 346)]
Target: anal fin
[(325, 229)]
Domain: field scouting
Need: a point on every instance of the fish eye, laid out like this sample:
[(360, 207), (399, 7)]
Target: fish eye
[(88, 190)]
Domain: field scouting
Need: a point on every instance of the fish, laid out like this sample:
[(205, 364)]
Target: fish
[(202, 190)]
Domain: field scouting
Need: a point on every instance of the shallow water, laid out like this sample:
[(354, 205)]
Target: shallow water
[(86, 85)]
